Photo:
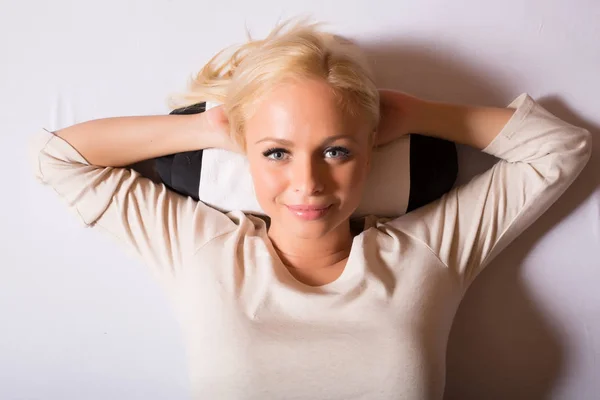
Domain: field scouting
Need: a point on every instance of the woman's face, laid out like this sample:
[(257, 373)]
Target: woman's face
[(308, 159)]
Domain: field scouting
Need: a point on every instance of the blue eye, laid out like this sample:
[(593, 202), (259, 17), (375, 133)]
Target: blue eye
[(275, 154), (337, 152), (280, 154)]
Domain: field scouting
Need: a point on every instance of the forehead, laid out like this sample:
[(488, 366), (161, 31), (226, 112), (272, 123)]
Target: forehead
[(302, 110)]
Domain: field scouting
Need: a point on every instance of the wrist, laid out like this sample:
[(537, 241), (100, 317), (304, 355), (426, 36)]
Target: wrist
[(204, 132), (213, 131)]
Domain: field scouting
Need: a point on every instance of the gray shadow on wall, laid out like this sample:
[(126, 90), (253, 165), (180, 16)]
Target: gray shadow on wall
[(501, 346)]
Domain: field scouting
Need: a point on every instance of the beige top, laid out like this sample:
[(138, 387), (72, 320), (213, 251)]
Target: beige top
[(380, 330)]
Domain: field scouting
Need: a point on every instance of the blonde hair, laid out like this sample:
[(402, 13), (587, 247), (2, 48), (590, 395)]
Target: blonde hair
[(291, 51)]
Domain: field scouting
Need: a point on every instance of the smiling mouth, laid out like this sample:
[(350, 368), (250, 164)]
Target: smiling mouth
[(309, 213)]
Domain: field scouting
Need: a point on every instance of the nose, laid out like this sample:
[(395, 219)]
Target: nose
[(308, 176)]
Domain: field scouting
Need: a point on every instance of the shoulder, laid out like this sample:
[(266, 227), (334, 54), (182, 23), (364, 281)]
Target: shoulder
[(390, 233), (237, 223)]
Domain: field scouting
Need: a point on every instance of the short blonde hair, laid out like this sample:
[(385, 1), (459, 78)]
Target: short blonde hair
[(291, 51)]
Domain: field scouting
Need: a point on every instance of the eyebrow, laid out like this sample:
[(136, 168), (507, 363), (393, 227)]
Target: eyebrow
[(286, 142)]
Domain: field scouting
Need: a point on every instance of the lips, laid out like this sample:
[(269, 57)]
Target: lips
[(309, 212), (307, 207)]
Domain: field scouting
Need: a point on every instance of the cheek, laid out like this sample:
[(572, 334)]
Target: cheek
[(267, 183), (351, 177)]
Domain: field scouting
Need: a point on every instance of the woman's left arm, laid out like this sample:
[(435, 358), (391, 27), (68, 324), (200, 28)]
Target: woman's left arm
[(540, 156), (473, 126)]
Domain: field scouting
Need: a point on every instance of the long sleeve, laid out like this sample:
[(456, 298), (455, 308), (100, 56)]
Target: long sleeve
[(161, 227), (540, 156)]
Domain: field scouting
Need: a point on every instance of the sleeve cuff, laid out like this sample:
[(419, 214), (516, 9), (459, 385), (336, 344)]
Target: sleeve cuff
[(523, 105), (36, 145)]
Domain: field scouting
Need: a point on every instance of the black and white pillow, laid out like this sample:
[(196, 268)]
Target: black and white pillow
[(219, 179)]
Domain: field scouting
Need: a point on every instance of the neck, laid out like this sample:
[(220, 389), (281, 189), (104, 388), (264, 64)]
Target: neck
[(312, 253)]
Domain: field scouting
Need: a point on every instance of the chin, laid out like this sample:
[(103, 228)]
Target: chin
[(286, 224), (309, 230), (315, 229)]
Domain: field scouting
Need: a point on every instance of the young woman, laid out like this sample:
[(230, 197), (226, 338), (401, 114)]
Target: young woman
[(307, 304)]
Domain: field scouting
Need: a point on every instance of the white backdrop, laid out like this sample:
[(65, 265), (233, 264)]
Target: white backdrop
[(80, 320)]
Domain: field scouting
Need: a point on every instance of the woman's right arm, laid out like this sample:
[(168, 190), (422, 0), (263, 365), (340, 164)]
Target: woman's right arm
[(122, 141), (84, 165)]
